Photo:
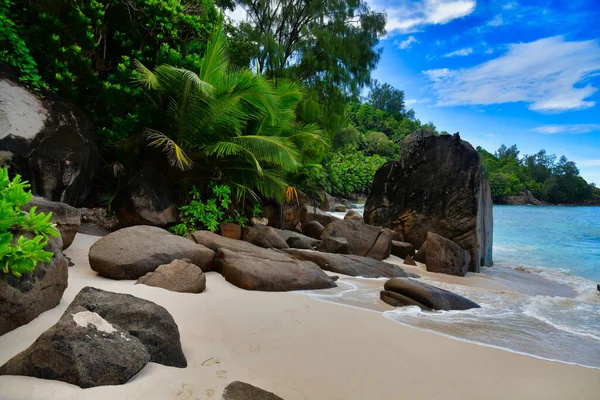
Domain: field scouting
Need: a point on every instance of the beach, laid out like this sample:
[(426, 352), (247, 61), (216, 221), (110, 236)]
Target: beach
[(300, 348)]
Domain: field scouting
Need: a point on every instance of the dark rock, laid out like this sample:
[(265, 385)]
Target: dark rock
[(244, 391), (313, 229), (421, 255), (230, 230), (427, 296), (130, 253), (286, 235), (445, 256), (402, 249), (99, 217), (337, 245), (350, 264), (271, 271), (354, 215), (46, 140), (363, 239), (264, 236), (147, 199), (178, 276), (295, 242), (309, 213), (24, 298), (398, 300), (339, 208), (335, 278), (66, 218), (410, 261), (438, 186)]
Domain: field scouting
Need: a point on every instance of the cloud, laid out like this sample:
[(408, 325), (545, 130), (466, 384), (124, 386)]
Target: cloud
[(416, 101), (406, 44), (496, 21), (543, 73), (566, 128), (460, 53), (407, 16)]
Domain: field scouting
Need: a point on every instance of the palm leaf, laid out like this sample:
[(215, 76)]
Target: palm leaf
[(175, 154)]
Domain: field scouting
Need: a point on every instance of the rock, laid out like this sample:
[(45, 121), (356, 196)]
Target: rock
[(328, 202), (147, 199), (244, 391), (339, 208), (309, 213), (363, 240), (130, 253), (402, 249), (66, 218), (260, 221), (82, 349), (425, 296), (421, 255), (48, 141), (286, 235), (350, 264), (353, 215), (24, 298), (313, 229), (525, 198), (398, 300), (178, 276), (216, 242), (337, 245), (438, 186), (99, 217), (264, 236), (295, 242), (271, 271), (445, 256), (230, 230), (409, 261)]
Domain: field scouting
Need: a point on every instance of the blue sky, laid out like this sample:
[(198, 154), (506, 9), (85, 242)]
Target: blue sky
[(501, 72)]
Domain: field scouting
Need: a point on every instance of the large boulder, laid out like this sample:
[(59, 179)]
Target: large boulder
[(244, 391), (313, 229), (295, 242), (215, 242), (178, 276), (438, 186), (286, 235), (351, 265), (402, 249), (339, 208), (130, 253), (363, 240), (24, 298), (147, 199), (445, 256), (48, 141), (400, 292), (271, 271), (264, 236), (66, 218), (309, 213), (336, 245)]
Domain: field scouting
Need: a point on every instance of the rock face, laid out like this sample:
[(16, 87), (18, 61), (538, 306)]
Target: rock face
[(66, 218), (363, 240), (445, 256), (351, 265), (244, 391), (47, 141), (130, 253), (23, 299), (400, 292), (313, 229), (264, 236), (271, 271), (147, 199), (178, 276), (402, 249), (437, 186)]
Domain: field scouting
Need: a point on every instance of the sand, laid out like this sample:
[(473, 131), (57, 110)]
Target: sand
[(299, 348)]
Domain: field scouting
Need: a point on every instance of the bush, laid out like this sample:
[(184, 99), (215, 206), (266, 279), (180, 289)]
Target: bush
[(349, 173), (21, 256)]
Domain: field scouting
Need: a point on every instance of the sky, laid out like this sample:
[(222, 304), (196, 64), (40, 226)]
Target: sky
[(501, 72)]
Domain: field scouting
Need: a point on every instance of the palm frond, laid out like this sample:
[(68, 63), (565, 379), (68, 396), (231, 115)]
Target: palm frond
[(175, 154), (215, 62), (279, 151)]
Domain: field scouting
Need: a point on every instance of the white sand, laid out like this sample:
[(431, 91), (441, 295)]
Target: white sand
[(298, 348)]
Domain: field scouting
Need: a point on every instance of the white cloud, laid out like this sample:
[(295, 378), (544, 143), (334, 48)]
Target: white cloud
[(509, 6), (406, 44), (416, 101), (496, 21), (542, 73), (406, 16), (460, 53), (567, 128)]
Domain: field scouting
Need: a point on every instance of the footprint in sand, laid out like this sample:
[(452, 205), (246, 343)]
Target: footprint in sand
[(211, 361), (222, 374)]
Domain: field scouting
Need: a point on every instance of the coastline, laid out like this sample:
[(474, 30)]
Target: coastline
[(301, 348)]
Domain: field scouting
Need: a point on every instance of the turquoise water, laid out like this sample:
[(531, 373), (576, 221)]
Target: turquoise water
[(555, 237)]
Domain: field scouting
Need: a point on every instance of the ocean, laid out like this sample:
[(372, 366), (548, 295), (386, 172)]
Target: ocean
[(549, 259)]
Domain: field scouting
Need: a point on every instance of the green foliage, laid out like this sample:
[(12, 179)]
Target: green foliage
[(378, 143), (21, 257), (348, 173), (389, 99)]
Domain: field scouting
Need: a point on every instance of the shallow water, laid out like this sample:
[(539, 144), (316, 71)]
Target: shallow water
[(546, 257)]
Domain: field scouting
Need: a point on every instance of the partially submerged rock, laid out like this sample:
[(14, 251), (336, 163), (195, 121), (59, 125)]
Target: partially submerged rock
[(363, 240), (445, 256), (130, 253), (66, 217), (351, 265), (178, 276), (400, 292), (244, 391)]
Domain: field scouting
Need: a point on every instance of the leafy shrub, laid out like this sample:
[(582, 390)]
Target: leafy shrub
[(199, 215), (21, 257), (349, 173)]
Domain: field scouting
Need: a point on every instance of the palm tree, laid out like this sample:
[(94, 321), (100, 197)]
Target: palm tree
[(237, 123)]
